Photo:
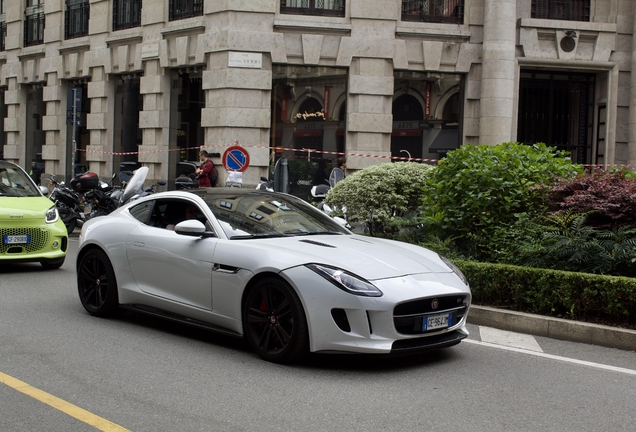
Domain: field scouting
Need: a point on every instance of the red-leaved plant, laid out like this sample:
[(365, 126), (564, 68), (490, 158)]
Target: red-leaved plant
[(609, 198)]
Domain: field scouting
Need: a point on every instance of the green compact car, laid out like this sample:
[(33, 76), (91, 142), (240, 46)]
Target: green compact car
[(30, 227)]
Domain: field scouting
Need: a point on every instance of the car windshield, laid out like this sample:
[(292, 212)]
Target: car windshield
[(16, 183), (265, 215)]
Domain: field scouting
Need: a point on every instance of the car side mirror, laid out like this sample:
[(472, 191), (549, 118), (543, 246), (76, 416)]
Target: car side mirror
[(44, 190), (193, 228)]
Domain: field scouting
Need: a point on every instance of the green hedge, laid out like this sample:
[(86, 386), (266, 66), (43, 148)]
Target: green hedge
[(588, 297)]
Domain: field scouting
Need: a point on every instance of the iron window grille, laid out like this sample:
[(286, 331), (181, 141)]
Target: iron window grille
[(76, 18), (126, 14), (34, 29), (181, 9), (3, 34), (566, 10), (313, 7), (437, 11)]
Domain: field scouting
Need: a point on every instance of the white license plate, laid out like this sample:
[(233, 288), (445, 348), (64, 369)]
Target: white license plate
[(437, 321), (17, 239)]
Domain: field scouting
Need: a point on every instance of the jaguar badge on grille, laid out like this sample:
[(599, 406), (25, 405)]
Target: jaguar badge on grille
[(434, 304)]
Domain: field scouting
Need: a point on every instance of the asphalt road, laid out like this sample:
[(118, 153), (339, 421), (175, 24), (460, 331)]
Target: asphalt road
[(63, 370)]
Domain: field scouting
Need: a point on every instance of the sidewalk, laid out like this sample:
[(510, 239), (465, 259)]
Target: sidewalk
[(556, 328)]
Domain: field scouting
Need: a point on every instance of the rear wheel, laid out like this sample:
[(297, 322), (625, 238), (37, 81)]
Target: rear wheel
[(274, 321), (96, 284), (66, 214)]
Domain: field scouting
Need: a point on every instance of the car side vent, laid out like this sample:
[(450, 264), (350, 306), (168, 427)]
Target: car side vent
[(340, 318), (317, 243)]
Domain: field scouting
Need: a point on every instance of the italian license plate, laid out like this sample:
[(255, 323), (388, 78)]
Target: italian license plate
[(17, 239), (437, 321)]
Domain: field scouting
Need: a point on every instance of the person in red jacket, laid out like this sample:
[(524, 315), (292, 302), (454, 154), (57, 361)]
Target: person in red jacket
[(205, 170)]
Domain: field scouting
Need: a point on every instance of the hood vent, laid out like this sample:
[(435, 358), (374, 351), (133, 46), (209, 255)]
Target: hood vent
[(317, 243)]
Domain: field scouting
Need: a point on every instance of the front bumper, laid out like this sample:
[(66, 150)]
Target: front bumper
[(342, 322)]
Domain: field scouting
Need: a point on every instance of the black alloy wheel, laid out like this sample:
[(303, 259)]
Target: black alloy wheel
[(96, 284), (274, 322)]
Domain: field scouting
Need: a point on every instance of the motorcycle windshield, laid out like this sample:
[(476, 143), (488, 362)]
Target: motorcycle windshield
[(135, 184)]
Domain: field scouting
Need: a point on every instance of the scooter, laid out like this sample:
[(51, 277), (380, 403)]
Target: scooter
[(318, 194)]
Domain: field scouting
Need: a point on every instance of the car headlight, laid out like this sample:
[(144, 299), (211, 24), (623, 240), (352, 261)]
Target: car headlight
[(52, 215), (455, 269), (346, 281)]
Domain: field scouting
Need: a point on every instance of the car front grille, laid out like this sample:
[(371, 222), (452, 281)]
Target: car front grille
[(409, 317), (39, 239)]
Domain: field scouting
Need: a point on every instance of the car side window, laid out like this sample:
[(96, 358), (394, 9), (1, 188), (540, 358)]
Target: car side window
[(142, 212)]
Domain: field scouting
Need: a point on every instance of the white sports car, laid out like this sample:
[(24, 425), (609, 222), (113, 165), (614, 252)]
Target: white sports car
[(273, 269)]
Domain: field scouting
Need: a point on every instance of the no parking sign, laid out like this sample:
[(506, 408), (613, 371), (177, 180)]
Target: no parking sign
[(236, 158)]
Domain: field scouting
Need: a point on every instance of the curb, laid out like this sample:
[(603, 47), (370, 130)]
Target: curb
[(555, 328)]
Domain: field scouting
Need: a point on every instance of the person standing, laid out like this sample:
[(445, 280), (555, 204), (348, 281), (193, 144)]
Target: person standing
[(338, 173), (205, 170)]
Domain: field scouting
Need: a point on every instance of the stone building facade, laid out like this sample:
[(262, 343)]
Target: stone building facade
[(377, 80)]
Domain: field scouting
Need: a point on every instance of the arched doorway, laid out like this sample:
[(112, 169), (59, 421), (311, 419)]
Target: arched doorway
[(406, 138)]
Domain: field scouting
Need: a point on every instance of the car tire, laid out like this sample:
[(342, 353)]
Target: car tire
[(52, 264), (96, 284), (66, 215), (274, 321)]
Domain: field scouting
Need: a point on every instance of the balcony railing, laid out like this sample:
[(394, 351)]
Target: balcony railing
[(126, 14), (438, 11), (566, 10), (76, 18), (313, 7), (181, 9), (34, 29), (3, 34)]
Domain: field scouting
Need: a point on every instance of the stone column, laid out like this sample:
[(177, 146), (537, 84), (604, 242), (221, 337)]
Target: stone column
[(100, 122), (54, 126), (631, 146), (15, 100), (154, 120), (370, 90), (498, 72)]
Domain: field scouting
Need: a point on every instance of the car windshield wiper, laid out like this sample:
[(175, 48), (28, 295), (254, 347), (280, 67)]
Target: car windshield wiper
[(253, 236)]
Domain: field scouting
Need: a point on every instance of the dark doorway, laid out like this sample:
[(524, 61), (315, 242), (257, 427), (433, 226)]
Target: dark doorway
[(406, 137), (556, 109)]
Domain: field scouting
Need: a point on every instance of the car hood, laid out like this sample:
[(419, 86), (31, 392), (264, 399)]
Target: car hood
[(368, 257), (12, 208)]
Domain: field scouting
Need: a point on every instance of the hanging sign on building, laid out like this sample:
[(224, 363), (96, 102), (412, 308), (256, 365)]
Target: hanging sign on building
[(427, 107), (245, 60)]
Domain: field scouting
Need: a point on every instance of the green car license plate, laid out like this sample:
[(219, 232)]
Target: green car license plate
[(437, 322), (17, 239)]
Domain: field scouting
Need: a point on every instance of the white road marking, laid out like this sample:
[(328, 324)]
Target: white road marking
[(553, 357), (507, 338)]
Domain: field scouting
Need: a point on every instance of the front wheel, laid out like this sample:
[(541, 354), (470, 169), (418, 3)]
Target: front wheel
[(96, 284), (274, 321)]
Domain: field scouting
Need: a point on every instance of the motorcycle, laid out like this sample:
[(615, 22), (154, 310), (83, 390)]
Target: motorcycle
[(265, 185), (70, 204), (318, 194)]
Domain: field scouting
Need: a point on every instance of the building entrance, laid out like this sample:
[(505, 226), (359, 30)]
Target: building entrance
[(556, 109)]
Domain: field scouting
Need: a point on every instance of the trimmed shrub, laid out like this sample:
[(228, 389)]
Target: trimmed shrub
[(599, 299), (377, 194)]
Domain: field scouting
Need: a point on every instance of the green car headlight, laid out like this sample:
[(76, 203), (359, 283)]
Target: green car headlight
[(52, 215)]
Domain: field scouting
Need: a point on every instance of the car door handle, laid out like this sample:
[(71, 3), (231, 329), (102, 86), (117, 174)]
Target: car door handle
[(139, 244)]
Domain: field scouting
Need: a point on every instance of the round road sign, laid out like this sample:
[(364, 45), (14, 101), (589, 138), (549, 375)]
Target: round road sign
[(236, 158)]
